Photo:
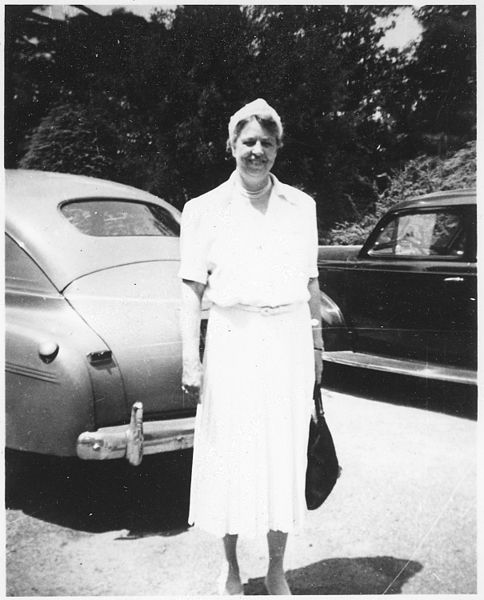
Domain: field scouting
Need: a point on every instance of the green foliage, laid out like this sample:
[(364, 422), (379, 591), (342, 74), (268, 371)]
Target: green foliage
[(147, 103), (444, 69), (419, 176), (434, 96), (71, 139), (322, 67), (28, 75)]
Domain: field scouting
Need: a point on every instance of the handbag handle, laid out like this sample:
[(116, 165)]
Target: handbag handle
[(318, 401)]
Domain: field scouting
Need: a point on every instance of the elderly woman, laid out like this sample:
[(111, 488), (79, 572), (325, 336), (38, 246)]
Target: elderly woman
[(250, 245)]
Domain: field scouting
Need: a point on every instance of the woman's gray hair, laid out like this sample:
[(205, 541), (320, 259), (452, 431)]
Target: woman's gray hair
[(263, 113)]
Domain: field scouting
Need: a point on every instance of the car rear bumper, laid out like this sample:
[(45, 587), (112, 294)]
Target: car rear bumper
[(137, 439)]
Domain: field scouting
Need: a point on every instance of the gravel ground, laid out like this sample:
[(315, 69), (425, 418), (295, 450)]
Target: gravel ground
[(402, 518)]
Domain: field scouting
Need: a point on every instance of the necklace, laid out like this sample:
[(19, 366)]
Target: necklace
[(256, 194)]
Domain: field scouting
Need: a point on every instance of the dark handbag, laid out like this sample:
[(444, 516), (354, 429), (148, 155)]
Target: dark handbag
[(323, 468)]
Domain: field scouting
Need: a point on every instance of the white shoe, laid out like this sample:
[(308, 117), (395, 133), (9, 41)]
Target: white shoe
[(222, 581)]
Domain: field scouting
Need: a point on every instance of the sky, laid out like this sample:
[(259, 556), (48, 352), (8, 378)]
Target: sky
[(406, 30)]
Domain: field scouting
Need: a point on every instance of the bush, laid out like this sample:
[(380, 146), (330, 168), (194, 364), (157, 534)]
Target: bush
[(71, 140), (419, 176)]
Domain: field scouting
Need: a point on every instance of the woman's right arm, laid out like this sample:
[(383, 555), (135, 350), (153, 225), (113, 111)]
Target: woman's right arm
[(191, 308)]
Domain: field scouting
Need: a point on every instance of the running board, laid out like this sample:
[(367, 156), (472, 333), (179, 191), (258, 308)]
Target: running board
[(413, 368)]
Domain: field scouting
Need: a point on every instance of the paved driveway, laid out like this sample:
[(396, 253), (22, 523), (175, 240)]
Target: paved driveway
[(402, 518)]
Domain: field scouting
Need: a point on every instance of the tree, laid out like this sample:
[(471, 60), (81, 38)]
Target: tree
[(444, 70), (323, 67), (155, 97), (437, 94), (210, 63), (29, 81)]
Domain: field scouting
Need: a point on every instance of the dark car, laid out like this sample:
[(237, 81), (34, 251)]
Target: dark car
[(406, 301)]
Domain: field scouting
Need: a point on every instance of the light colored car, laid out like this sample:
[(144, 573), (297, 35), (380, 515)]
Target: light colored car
[(93, 349)]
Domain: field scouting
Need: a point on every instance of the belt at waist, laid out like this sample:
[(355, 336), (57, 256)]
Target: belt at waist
[(269, 310)]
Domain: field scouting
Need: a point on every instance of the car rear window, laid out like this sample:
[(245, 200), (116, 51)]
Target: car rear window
[(110, 218)]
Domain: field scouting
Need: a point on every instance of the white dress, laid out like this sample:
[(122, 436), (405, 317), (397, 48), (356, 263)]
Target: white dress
[(251, 428)]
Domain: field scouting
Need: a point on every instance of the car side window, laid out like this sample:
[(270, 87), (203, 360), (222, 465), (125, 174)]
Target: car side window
[(439, 233), (21, 272)]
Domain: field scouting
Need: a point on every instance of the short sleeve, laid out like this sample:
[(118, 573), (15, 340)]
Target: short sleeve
[(313, 241), (193, 245)]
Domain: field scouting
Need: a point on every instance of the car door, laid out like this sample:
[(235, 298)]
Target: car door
[(412, 291)]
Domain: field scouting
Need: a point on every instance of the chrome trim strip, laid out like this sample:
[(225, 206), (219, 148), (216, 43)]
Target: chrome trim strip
[(413, 368), (16, 369)]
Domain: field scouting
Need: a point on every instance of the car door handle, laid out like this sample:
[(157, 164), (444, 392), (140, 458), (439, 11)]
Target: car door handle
[(449, 279)]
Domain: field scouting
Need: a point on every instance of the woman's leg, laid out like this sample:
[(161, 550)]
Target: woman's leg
[(233, 583), (276, 583)]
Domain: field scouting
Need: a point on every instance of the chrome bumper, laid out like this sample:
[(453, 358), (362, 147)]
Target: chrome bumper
[(137, 439)]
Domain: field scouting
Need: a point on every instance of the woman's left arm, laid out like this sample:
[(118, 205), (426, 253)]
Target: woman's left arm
[(315, 309)]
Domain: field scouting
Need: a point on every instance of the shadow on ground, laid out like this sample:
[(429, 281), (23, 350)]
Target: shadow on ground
[(348, 576), (151, 499), (450, 398)]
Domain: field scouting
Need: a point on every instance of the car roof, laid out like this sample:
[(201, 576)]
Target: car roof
[(438, 199), (54, 187), (34, 221)]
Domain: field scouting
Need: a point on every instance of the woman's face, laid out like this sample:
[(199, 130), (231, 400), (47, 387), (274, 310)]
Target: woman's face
[(255, 150)]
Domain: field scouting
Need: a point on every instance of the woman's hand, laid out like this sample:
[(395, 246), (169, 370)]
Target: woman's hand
[(318, 342), (318, 365), (192, 380), (192, 292)]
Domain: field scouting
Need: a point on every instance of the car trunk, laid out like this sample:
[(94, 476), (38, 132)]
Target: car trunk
[(135, 309)]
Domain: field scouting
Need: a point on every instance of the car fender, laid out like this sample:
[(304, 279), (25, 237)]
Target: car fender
[(336, 334), (52, 390), (47, 405)]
